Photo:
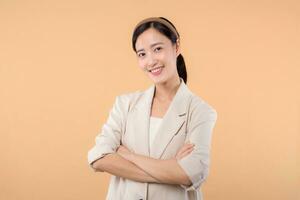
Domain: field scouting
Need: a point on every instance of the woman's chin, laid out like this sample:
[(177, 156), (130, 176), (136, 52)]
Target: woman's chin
[(158, 80)]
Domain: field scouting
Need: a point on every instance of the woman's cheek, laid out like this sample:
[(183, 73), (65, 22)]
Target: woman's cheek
[(141, 65)]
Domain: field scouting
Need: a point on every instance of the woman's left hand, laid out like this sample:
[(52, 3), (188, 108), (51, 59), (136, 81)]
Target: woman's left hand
[(124, 152)]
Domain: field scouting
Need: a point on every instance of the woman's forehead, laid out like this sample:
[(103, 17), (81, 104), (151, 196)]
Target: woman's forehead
[(150, 37)]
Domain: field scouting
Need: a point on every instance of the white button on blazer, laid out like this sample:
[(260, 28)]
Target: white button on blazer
[(188, 118)]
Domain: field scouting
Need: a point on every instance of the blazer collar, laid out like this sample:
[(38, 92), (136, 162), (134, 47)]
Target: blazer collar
[(172, 121)]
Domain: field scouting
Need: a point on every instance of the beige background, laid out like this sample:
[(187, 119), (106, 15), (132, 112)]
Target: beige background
[(63, 62)]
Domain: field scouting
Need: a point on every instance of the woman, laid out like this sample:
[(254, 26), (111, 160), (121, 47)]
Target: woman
[(156, 143)]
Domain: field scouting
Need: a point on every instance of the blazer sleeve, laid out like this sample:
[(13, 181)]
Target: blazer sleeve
[(196, 164), (109, 139)]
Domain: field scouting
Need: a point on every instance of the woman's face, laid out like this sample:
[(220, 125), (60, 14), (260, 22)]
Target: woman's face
[(157, 56)]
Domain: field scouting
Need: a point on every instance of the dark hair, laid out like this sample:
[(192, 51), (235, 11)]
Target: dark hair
[(181, 68)]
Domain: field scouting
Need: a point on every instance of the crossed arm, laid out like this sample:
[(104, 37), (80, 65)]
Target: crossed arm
[(141, 168), (126, 164)]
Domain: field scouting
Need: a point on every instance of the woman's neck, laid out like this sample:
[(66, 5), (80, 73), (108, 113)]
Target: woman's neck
[(167, 90)]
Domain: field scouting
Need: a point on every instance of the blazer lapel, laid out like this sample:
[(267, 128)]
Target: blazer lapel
[(142, 119), (172, 121)]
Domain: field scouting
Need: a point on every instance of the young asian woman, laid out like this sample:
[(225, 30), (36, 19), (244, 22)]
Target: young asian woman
[(156, 143)]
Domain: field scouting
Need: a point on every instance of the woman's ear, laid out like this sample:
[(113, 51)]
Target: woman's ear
[(177, 47)]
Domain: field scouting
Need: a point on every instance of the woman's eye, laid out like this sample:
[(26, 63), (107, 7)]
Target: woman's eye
[(141, 54), (158, 48)]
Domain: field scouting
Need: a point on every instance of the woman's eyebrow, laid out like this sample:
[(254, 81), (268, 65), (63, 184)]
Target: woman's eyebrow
[(152, 45)]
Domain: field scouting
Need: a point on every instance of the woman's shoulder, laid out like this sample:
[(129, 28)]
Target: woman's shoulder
[(129, 99), (201, 108)]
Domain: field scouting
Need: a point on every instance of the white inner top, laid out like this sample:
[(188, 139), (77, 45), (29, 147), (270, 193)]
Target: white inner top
[(153, 126)]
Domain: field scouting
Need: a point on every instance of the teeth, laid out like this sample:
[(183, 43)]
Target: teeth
[(156, 70)]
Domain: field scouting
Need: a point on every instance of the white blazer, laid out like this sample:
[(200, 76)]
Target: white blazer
[(188, 118)]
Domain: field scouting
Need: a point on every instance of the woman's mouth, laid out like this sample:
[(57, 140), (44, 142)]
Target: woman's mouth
[(156, 71)]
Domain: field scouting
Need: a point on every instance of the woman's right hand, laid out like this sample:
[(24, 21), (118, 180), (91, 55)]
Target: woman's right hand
[(184, 150)]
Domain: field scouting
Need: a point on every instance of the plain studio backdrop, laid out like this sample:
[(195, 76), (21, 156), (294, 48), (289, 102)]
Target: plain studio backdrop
[(62, 63)]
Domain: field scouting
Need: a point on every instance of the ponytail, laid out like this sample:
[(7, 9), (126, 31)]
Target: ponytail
[(181, 69)]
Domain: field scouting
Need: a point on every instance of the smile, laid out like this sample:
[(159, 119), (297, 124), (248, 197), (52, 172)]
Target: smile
[(156, 71)]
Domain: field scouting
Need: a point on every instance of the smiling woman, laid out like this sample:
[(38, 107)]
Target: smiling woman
[(157, 45), (156, 143)]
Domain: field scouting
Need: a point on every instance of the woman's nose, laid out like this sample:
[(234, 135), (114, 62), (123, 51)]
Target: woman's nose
[(151, 61)]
